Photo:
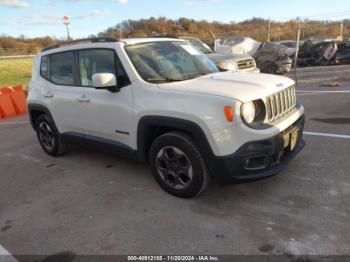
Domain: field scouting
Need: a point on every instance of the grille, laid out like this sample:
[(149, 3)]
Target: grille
[(245, 64), (281, 103)]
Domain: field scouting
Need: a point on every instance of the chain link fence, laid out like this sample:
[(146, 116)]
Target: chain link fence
[(312, 60)]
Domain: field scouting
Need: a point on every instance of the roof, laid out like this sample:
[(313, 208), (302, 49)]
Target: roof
[(85, 43)]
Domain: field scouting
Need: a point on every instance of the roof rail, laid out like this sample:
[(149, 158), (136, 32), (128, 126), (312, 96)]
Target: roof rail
[(84, 40), (163, 36)]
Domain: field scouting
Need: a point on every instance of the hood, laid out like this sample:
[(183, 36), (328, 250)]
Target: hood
[(244, 46), (239, 86), (217, 58)]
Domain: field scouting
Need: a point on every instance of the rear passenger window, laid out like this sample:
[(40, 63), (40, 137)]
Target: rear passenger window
[(44, 67), (62, 68)]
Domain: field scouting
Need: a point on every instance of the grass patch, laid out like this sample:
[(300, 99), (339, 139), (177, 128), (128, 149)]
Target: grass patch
[(15, 71)]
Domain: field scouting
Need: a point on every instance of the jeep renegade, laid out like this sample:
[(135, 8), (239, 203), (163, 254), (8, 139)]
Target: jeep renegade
[(162, 101)]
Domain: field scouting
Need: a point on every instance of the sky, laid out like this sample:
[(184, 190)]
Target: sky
[(34, 18)]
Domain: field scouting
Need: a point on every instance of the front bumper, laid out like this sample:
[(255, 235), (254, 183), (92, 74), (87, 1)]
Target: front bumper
[(260, 159), (284, 68)]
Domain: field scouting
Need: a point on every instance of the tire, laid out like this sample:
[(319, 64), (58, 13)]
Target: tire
[(48, 136), (178, 166)]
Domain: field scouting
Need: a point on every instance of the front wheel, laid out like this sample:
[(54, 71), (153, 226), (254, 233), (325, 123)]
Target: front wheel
[(178, 166)]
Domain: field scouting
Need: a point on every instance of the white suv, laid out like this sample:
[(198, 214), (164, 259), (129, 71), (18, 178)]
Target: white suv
[(161, 101)]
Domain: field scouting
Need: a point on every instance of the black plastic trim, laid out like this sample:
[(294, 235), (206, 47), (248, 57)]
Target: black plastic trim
[(147, 124), (230, 169), (37, 107), (99, 144)]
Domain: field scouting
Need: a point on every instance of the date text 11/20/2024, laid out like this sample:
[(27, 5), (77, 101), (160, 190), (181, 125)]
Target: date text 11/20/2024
[(173, 258)]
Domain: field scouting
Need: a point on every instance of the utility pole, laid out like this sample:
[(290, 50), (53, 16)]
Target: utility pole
[(119, 28), (341, 30), (269, 31), (279, 33), (297, 53), (66, 23)]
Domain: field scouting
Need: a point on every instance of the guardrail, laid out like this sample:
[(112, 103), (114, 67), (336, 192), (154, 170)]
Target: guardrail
[(15, 57)]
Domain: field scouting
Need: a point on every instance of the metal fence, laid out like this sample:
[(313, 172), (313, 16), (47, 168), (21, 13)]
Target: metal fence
[(313, 54)]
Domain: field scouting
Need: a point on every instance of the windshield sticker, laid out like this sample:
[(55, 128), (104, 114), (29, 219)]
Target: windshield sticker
[(191, 50)]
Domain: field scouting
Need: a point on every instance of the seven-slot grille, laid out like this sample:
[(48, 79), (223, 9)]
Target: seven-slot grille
[(245, 64), (279, 104)]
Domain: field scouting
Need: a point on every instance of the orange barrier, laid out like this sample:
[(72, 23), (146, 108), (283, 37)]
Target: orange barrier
[(19, 100), (12, 102), (5, 90), (6, 106)]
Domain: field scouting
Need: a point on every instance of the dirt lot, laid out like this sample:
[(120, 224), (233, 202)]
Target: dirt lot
[(93, 203)]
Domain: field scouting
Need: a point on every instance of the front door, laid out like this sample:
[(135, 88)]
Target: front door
[(104, 114)]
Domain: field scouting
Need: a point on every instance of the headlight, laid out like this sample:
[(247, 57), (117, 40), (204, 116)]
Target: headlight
[(248, 112), (231, 66)]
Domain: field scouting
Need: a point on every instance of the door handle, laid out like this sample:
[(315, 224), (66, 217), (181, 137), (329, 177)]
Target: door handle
[(48, 94), (84, 99)]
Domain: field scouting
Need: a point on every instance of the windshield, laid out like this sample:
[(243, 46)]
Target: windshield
[(271, 47), (204, 48), (290, 44), (159, 62), (233, 41)]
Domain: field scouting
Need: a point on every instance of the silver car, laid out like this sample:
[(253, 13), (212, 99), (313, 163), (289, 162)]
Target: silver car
[(238, 63)]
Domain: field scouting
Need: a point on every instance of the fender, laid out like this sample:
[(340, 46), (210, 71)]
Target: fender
[(148, 124), (38, 107)]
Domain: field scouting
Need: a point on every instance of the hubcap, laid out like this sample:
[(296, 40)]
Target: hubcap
[(46, 136), (174, 167)]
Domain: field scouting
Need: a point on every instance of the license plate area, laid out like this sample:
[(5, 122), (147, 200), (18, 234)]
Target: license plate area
[(290, 139)]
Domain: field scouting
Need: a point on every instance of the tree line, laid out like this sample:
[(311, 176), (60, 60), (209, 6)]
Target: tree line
[(256, 28)]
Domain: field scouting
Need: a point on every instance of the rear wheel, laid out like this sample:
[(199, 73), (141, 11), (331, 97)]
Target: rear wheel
[(48, 136), (178, 166)]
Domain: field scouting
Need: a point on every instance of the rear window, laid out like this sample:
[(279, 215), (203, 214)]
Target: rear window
[(61, 66)]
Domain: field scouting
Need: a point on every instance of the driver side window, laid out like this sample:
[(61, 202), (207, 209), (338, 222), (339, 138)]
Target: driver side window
[(96, 61)]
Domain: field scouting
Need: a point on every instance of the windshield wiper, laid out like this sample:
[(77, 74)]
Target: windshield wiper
[(197, 75), (154, 79)]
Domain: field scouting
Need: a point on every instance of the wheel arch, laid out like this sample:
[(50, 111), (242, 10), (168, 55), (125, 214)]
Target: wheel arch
[(151, 127), (36, 110)]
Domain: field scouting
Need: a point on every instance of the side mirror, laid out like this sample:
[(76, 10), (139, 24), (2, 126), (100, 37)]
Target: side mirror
[(105, 81)]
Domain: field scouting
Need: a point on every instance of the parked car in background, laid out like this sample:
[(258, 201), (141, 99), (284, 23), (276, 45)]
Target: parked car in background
[(269, 57), (343, 53), (273, 59), (320, 53), (238, 62), (330, 52), (238, 45), (291, 46)]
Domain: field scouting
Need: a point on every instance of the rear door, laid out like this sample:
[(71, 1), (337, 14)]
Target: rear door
[(61, 91)]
